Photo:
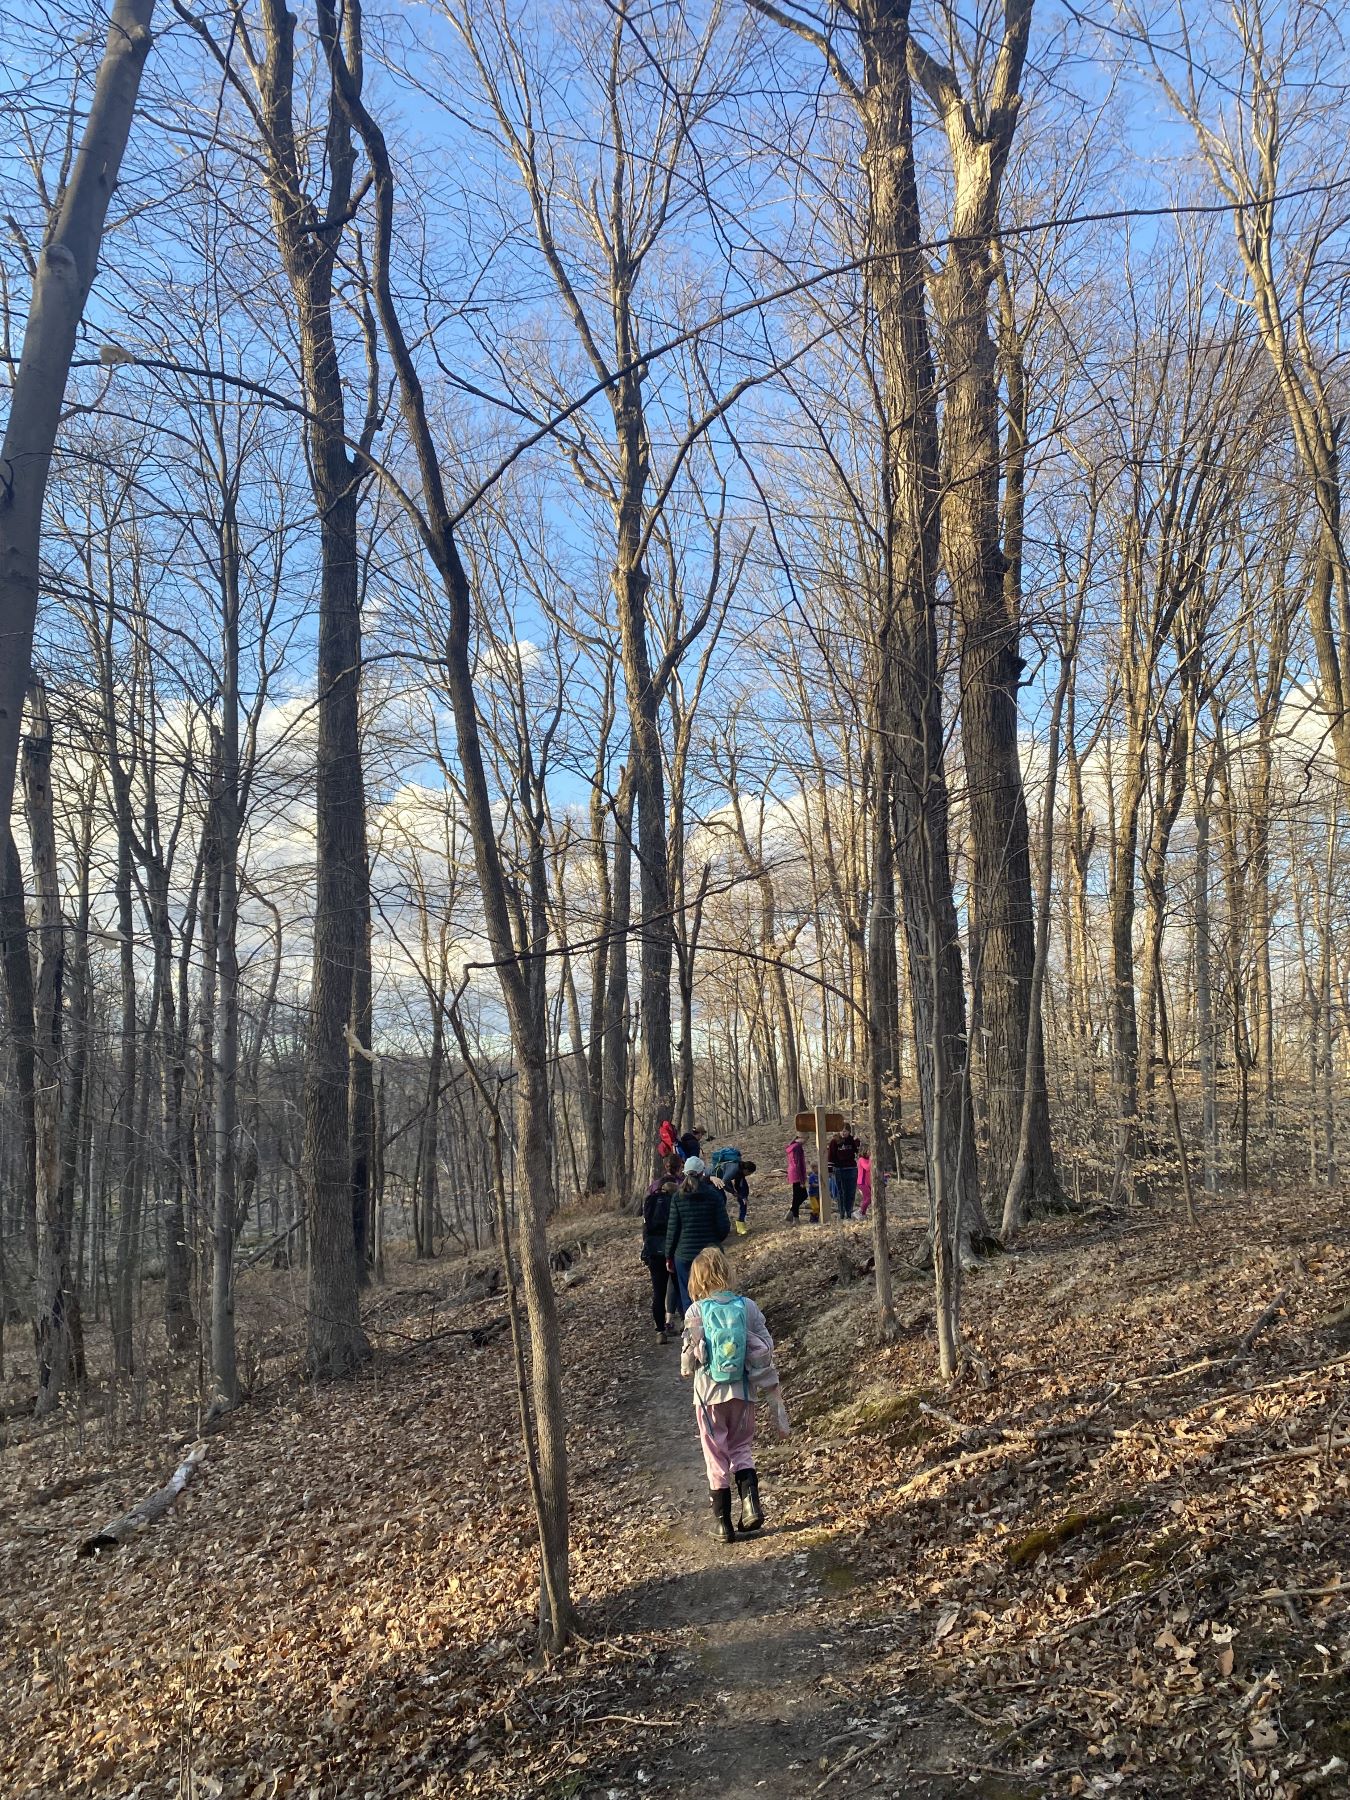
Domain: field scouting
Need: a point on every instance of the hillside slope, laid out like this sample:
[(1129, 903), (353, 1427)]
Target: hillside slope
[(1111, 1560)]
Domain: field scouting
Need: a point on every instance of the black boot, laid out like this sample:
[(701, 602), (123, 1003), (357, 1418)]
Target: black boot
[(721, 1505), (747, 1486)]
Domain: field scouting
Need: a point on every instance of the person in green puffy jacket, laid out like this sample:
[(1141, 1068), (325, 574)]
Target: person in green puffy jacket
[(698, 1218)]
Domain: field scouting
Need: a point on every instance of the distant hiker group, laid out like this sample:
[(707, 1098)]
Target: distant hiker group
[(725, 1344), (849, 1168)]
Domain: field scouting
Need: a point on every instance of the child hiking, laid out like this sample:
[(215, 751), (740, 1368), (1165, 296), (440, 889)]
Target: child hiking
[(728, 1351)]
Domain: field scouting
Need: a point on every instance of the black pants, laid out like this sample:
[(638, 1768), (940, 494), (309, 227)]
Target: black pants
[(798, 1198), (661, 1283), (846, 1180)]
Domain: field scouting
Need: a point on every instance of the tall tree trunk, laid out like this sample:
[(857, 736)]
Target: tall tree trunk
[(65, 273), (424, 1225), (521, 966), (883, 1076), (987, 588), (54, 1300), (909, 679), (617, 1174), (127, 1140), (361, 1092), (1202, 789), (341, 902), (19, 1008)]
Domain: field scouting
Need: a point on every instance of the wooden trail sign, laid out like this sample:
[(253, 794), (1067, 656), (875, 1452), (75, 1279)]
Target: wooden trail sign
[(807, 1122)]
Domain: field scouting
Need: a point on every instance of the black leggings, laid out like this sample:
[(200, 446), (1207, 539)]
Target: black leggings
[(661, 1282)]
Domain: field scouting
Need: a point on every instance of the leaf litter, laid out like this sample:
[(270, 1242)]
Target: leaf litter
[(1110, 1560)]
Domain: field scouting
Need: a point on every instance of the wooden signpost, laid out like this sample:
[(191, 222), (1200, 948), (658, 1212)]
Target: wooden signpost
[(822, 1123), (810, 1121)]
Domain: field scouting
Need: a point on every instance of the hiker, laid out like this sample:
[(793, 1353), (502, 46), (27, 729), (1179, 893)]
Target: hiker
[(731, 1173), (796, 1174), (698, 1218), (689, 1143), (842, 1155), (813, 1193), (864, 1181), (665, 1141), (728, 1350), (655, 1224)]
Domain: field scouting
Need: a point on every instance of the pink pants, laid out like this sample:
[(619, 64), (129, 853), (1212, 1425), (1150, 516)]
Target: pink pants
[(726, 1431)]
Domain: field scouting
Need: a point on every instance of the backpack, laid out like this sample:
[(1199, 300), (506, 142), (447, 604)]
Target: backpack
[(726, 1164), (723, 1317), (656, 1213)]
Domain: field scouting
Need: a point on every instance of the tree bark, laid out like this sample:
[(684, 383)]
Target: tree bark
[(54, 1299), (65, 274), (337, 1343), (910, 708), (986, 585)]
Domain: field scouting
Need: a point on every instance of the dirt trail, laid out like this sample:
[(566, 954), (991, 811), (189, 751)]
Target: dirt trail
[(752, 1644)]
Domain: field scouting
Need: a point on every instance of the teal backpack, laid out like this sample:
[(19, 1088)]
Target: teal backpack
[(726, 1164), (723, 1317)]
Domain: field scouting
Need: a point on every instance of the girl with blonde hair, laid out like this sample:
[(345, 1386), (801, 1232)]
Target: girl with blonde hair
[(728, 1350)]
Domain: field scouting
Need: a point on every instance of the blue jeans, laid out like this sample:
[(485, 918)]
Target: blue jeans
[(846, 1187), (682, 1282)]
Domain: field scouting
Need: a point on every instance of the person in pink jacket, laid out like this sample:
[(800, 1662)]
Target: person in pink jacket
[(796, 1174), (864, 1183), (728, 1350)]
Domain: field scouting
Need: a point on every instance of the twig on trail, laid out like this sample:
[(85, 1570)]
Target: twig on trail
[(1069, 1631), (1298, 1454), (853, 1758), (969, 1434), (154, 1506), (1222, 1354), (629, 1719), (1262, 1387), (1254, 1330), (1306, 1593), (970, 1712), (1190, 1368)]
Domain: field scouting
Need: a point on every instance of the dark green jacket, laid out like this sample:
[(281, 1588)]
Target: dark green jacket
[(696, 1220)]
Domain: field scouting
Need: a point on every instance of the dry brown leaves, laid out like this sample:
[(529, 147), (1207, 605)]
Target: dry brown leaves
[(1112, 1565)]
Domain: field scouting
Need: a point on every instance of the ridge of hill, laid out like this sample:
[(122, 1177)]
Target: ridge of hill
[(1110, 1560)]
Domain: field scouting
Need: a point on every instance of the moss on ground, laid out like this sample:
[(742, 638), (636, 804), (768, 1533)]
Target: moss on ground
[(1046, 1538)]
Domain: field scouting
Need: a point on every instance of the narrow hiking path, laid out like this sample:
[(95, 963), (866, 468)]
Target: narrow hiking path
[(747, 1626), (754, 1651)]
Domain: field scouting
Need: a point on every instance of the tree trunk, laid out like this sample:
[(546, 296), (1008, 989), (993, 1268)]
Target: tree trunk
[(337, 1344), (909, 675), (361, 1090), (424, 1225), (987, 588), (19, 1007), (53, 1264), (883, 1083), (617, 1173), (65, 273), (1203, 793)]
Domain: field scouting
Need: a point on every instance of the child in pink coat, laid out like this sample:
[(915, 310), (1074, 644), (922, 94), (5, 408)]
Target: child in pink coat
[(864, 1183), (724, 1396)]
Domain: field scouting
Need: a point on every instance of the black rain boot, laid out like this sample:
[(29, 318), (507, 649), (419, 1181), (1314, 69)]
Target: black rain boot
[(721, 1505), (747, 1486)]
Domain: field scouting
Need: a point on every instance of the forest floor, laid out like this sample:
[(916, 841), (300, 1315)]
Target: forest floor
[(1112, 1559)]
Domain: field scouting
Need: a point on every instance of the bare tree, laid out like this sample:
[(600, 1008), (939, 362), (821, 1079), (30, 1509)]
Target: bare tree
[(62, 273)]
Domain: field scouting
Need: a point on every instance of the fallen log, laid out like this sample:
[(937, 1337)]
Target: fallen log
[(153, 1507)]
